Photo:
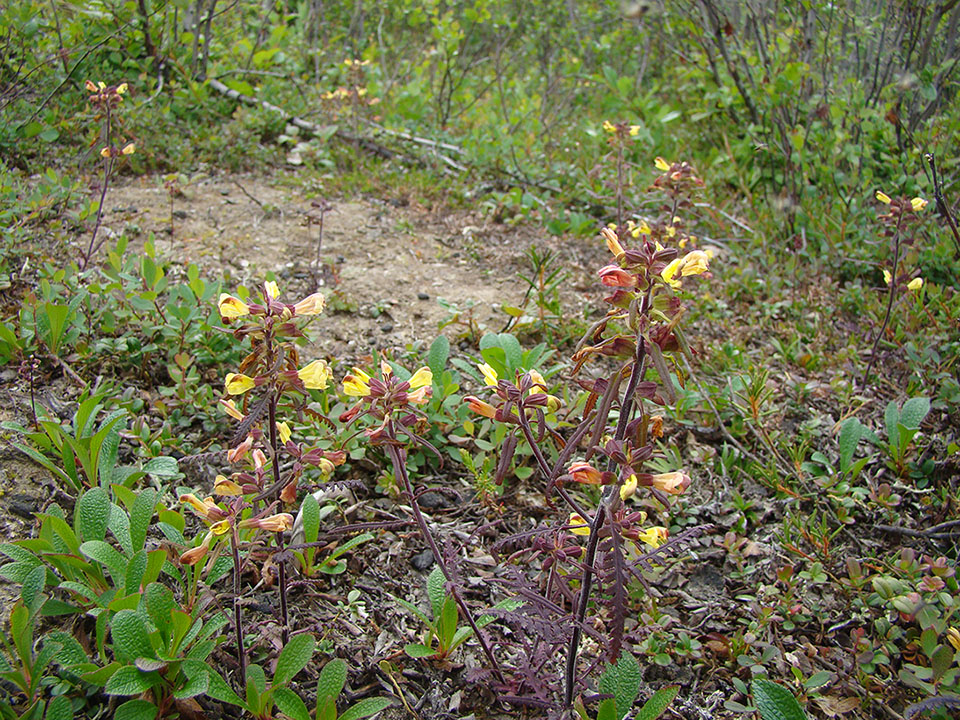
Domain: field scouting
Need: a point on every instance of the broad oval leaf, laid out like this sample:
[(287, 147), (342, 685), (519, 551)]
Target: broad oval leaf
[(332, 679), (293, 658), (775, 702), (128, 680), (92, 514), (130, 638)]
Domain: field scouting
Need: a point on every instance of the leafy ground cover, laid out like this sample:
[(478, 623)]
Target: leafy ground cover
[(468, 360)]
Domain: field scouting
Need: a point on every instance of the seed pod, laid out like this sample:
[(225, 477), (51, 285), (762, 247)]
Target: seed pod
[(506, 457)]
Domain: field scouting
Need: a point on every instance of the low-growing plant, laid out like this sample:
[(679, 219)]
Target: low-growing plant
[(444, 634), (330, 684)]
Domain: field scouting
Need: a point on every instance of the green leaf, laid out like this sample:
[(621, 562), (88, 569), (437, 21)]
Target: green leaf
[(365, 708), (851, 432), (119, 527), (438, 355), (914, 411), (159, 602), (219, 690), (818, 679), (198, 680), (290, 704), (256, 686), (623, 682), (107, 556), (162, 466), (416, 650), (133, 578), (136, 710), (311, 518), (57, 317), (512, 350), (129, 680), (436, 590), (607, 710), (59, 708), (69, 479), (447, 624), (140, 515), (92, 514), (293, 658), (658, 703), (332, 679), (775, 702), (130, 638), (891, 417), (31, 592)]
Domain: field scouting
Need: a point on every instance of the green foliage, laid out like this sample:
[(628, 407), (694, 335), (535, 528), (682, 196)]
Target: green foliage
[(329, 686), (443, 634), (775, 702)]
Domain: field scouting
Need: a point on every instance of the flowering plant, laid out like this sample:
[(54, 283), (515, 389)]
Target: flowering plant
[(271, 374), (616, 436)]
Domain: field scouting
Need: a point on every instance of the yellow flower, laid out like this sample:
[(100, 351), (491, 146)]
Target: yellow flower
[(195, 555), (326, 467), (634, 130), (539, 384), (230, 408), (105, 152), (420, 395), (576, 519), (121, 88), (283, 432), (226, 486), (356, 384), (613, 244), (480, 407), (629, 487), (238, 453), (421, 378), (203, 507), (915, 284), (887, 277), (315, 375), (695, 263), (661, 164), (918, 204), (669, 272), (953, 637), (673, 483), (220, 528), (883, 197), (655, 536), (583, 472), (238, 384), (273, 523), (90, 86), (609, 126), (310, 305), (231, 307), (489, 374), (272, 290), (129, 149)]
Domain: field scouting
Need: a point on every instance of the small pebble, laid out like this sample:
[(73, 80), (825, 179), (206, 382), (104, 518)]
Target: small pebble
[(423, 560), (422, 296), (386, 327), (431, 500)]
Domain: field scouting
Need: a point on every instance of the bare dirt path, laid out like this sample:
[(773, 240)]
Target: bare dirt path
[(389, 264)]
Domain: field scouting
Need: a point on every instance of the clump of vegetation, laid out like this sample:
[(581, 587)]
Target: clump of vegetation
[(726, 482)]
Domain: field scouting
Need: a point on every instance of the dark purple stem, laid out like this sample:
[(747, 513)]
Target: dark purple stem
[(397, 454)]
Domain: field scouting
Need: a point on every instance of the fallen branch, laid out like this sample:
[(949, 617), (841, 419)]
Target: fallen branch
[(314, 129)]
